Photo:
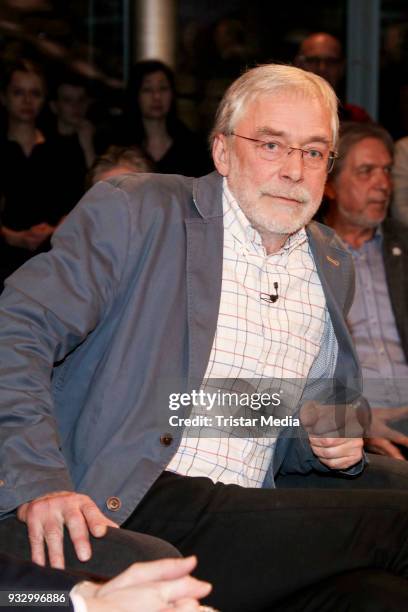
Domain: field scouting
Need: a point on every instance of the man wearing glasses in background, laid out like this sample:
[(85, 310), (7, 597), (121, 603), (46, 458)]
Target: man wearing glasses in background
[(322, 54), (156, 278)]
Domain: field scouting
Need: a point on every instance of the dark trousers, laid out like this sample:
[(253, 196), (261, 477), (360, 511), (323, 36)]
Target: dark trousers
[(328, 546), (111, 554)]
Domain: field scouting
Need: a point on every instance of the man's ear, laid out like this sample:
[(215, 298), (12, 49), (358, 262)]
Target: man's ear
[(221, 154), (330, 190)]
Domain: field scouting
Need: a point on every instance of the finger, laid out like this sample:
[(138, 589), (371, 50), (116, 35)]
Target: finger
[(96, 521), (173, 590), (395, 436), (309, 414), (329, 442), (54, 538), (341, 463), (78, 532), (36, 539), (391, 414), (151, 571), (384, 447), (347, 449), (324, 427), (186, 605)]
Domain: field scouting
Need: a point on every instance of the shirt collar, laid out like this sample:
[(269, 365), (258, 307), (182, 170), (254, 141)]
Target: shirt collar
[(376, 240)]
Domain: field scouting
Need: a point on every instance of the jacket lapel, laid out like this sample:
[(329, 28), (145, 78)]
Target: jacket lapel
[(335, 273), (396, 272), (205, 237)]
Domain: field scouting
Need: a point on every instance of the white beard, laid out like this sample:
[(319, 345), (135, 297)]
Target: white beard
[(295, 216)]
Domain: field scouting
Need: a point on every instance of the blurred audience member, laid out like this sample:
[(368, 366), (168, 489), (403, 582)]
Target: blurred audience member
[(152, 122), (399, 204), (359, 190), (118, 160), (322, 54), (72, 136), (70, 103), (28, 188), (393, 89)]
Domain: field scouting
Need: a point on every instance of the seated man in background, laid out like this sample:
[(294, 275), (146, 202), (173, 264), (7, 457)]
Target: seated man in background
[(118, 160), (322, 54), (399, 203), (158, 281), (359, 192)]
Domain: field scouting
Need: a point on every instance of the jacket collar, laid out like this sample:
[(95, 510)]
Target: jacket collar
[(207, 195)]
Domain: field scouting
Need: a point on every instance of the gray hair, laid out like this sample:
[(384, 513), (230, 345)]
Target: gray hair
[(268, 79), (353, 132), (133, 158)]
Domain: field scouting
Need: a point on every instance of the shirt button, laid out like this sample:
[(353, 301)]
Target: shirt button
[(113, 503), (166, 439)]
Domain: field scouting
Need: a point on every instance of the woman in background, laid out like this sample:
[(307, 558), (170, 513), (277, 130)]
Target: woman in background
[(28, 189), (152, 123)]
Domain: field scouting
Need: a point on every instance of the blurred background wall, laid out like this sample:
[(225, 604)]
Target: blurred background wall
[(209, 43)]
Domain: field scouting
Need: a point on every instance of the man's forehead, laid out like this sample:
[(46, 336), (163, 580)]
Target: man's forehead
[(326, 46), (369, 150), (287, 111)]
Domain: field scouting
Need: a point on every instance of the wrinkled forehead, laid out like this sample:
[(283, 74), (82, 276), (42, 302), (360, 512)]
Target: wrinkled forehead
[(289, 105), (368, 150)]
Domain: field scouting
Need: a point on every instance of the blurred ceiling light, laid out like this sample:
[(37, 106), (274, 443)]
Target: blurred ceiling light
[(10, 27), (51, 48), (86, 69)]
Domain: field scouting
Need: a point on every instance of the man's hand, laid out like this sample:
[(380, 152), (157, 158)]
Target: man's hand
[(24, 239), (381, 446), (42, 231), (46, 517), (337, 453), (323, 424), (157, 586), (382, 438)]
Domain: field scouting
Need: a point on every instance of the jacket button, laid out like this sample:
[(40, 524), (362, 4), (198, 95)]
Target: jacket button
[(113, 504), (166, 439)]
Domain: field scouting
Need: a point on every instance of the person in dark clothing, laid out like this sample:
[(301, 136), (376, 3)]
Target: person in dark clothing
[(151, 122), (28, 186), (322, 54), (72, 135)]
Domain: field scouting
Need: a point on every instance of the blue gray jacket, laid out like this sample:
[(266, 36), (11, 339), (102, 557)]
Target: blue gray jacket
[(128, 297)]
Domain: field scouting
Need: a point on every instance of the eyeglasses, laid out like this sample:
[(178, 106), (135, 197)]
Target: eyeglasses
[(274, 151)]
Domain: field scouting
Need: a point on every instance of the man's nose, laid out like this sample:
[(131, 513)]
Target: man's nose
[(292, 165), (382, 179)]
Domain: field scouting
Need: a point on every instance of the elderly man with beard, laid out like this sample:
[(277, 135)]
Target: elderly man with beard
[(166, 282), (359, 191)]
